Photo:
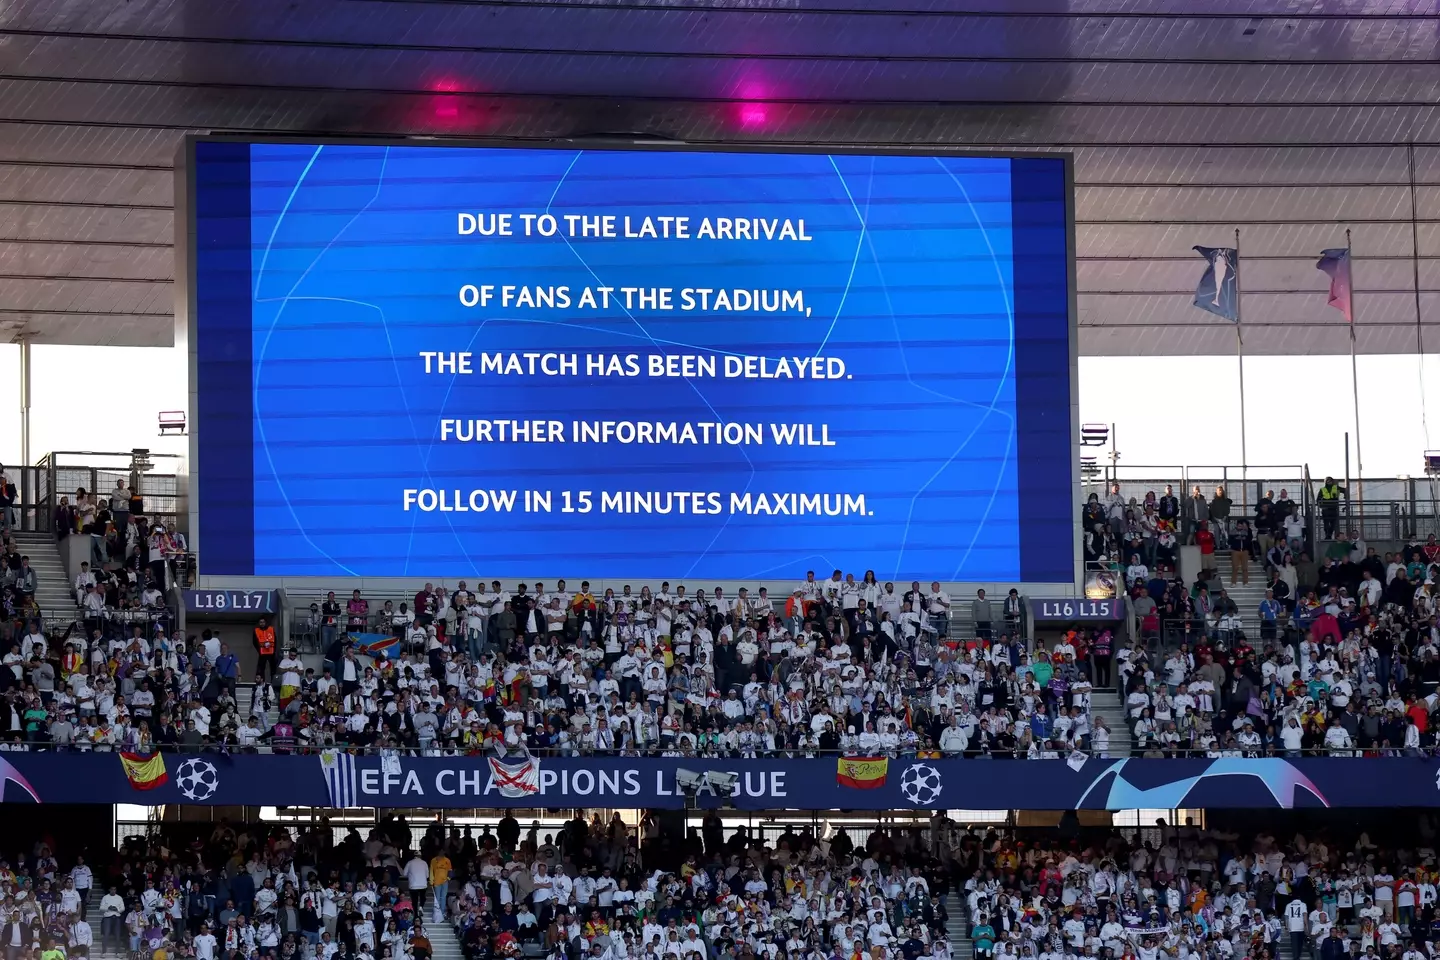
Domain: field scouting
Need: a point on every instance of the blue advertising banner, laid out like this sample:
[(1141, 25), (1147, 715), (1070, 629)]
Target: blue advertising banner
[(450, 361), (341, 780)]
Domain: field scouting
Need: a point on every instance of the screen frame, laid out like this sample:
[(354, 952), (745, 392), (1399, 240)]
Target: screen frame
[(186, 299)]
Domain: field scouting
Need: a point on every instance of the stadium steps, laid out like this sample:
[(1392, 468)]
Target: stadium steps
[(1247, 598), (92, 917), (957, 928), (243, 693), (443, 941), (52, 592), (1107, 704)]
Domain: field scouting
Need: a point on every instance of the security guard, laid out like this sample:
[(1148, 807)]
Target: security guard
[(264, 649), (1329, 497)]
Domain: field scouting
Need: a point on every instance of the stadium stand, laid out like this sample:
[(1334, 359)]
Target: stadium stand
[(828, 670), (926, 891)]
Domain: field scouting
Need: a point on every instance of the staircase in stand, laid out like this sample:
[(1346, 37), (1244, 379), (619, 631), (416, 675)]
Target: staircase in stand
[(957, 928), (1107, 704), (53, 592), (1247, 598), (243, 694), (92, 916), (444, 941)]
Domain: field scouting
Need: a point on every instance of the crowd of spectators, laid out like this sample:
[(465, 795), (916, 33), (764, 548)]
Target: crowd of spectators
[(19, 582), (1147, 532), (609, 891), (591, 893), (593, 889), (120, 535), (626, 674), (1341, 655), (1183, 893)]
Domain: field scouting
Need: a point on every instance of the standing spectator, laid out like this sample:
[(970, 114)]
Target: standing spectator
[(938, 606), (417, 880), (1205, 540), (159, 548), (120, 507), (1270, 610), (440, 868), (1012, 612), (112, 913), (83, 879), (26, 580), (1197, 511), (358, 610), (1241, 543), (1220, 512), (63, 522), (1168, 507), (980, 612), (329, 620), (1115, 511), (7, 501), (227, 669), (1296, 913)]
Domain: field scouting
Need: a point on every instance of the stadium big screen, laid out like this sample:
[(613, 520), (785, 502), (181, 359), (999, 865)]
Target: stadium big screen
[(459, 360)]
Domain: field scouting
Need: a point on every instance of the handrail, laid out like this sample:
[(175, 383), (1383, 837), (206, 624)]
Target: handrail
[(1343, 753)]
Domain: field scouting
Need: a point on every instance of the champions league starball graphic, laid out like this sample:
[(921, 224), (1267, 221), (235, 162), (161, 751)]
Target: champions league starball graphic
[(921, 784), (197, 779)]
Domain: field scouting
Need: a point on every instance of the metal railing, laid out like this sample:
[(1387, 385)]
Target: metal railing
[(62, 473), (1245, 485), (43, 743), (1391, 510), (1398, 521)]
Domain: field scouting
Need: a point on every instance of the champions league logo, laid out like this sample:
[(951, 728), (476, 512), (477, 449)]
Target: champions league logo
[(1279, 777), (920, 784), (9, 775), (197, 779)]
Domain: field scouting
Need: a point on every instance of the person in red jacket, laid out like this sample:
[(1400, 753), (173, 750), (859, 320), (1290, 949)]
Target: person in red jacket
[(1205, 540), (1420, 714)]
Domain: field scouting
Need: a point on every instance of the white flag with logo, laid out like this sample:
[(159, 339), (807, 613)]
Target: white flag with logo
[(390, 763), (515, 779)]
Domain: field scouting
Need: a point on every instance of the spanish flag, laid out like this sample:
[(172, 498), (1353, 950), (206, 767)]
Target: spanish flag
[(144, 773), (862, 773)]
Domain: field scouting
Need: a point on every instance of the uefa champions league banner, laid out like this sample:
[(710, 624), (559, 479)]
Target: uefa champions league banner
[(333, 779)]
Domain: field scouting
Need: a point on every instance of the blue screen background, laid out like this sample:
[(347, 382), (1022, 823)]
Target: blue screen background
[(351, 267)]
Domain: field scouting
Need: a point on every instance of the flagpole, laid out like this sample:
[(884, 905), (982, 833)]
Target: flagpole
[(1355, 385), (1240, 358)]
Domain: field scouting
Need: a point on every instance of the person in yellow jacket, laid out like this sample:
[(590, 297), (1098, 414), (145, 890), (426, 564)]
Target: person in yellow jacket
[(440, 868), (1329, 501)]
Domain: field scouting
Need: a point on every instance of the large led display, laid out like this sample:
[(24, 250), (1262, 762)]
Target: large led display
[(431, 360)]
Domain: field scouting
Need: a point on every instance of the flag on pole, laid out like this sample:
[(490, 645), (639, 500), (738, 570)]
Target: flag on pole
[(1219, 288), (339, 770), (1335, 264)]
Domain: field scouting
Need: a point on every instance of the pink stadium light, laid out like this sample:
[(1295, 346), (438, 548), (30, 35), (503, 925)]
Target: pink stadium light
[(752, 110), (446, 107)]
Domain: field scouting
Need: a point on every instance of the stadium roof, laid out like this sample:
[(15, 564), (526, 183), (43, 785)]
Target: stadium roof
[(1290, 119)]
